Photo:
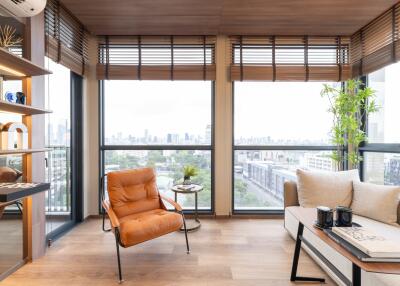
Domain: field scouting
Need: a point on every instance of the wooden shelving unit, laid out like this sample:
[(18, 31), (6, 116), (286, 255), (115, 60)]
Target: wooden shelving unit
[(21, 108), (14, 67)]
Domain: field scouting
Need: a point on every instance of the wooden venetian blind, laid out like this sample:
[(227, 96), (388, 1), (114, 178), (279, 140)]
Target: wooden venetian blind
[(376, 44), (66, 38), (284, 58), (156, 57)]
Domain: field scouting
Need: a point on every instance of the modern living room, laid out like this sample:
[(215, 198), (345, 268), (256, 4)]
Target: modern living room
[(188, 142)]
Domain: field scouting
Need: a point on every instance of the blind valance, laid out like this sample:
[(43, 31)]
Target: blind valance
[(66, 38), (376, 44), (156, 57), (284, 58)]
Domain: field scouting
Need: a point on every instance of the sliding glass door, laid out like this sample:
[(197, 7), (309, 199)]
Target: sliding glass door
[(60, 173)]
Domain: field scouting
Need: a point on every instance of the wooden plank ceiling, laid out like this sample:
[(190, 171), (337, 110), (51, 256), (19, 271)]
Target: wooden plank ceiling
[(230, 17)]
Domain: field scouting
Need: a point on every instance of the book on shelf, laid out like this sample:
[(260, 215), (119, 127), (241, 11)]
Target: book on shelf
[(372, 244)]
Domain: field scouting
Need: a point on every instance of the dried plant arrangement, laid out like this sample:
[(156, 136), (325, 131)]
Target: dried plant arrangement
[(8, 37)]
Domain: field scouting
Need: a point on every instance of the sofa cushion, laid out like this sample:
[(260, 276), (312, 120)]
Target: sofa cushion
[(377, 202), (331, 189)]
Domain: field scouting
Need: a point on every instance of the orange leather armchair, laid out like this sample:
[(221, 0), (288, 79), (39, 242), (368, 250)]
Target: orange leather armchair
[(136, 209)]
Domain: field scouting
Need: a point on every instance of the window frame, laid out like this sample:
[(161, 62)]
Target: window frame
[(366, 147), (266, 212), (103, 148)]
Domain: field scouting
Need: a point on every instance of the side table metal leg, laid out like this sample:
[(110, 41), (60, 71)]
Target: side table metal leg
[(295, 264), (196, 214)]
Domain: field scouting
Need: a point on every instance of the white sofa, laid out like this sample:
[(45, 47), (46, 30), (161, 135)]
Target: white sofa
[(340, 262)]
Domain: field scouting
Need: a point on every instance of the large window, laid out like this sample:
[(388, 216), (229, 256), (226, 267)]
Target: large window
[(278, 128), (58, 140), (161, 124), (381, 164)]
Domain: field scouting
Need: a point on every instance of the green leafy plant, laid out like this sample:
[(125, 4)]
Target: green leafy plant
[(189, 171), (349, 106)]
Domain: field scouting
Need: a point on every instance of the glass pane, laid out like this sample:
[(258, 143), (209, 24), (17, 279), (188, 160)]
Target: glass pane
[(58, 139), (383, 126), (382, 168), (168, 165), (259, 175), (281, 113), (157, 112)]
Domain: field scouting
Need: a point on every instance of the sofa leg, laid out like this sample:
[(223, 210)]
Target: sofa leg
[(119, 261), (186, 235)]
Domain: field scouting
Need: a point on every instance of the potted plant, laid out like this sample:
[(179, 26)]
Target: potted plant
[(349, 106), (188, 172)]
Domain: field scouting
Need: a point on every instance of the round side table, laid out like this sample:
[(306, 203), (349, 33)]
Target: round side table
[(191, 225)]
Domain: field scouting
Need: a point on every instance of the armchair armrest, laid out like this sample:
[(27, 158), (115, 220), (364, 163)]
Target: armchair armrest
[(172, 202), (111, 215)]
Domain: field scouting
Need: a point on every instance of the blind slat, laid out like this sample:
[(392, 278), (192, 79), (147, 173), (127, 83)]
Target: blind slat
[(376, 45), (66, 38), (284, 58), (152, 57)]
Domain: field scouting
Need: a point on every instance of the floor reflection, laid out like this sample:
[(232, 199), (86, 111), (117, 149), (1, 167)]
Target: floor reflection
[(11, 242)]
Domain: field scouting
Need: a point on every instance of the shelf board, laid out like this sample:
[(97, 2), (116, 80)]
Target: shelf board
[(23, 151), (15, 67), (21, 108), (14, 191)]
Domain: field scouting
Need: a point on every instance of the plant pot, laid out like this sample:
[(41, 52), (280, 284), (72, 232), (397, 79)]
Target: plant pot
[(186, 181)]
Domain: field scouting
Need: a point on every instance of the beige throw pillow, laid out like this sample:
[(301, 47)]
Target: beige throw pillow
[(377, 202), (331, 189)]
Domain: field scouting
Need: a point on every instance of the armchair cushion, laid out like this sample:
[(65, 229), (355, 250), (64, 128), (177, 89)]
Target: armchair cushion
[(133, 191), (137, 228)]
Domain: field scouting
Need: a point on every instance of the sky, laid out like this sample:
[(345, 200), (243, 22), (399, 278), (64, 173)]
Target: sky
[(282, 110), (279, 110), (162, 107), (386, 84)]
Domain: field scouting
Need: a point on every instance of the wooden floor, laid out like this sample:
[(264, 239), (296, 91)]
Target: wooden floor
[(234, 252)]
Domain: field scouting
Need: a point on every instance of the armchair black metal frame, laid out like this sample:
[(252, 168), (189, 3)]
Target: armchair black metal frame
[(116, 232)]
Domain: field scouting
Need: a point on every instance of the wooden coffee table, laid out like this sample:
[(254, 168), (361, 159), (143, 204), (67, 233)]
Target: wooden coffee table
[(306, 218)]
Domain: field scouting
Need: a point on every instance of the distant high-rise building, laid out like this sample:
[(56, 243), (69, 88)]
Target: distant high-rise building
[(208, 133), (392, 171), (319, 162)]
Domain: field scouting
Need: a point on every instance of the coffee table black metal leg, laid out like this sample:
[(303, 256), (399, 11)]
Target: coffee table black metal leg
[(293, 276), (356, 275)]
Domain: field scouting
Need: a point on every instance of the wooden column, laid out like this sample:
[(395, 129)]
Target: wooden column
[(91, 133), (34, 164), (223, 129)]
